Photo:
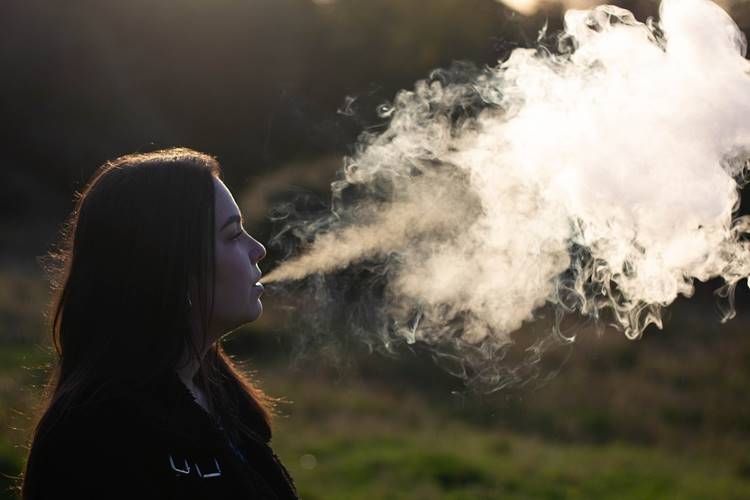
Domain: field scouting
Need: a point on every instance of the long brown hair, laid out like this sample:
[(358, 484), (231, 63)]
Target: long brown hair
[(140, 238)]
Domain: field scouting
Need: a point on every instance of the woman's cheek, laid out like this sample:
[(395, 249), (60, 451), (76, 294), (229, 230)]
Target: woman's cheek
[(239, 271), (224, 274)]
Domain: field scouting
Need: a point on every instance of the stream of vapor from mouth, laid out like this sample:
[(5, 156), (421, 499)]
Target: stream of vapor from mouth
[(596, 175)]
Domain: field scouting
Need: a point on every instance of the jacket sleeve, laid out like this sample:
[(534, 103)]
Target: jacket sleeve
[(90, 455)]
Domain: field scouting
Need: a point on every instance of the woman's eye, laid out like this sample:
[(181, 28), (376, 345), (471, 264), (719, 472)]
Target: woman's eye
[(237, 235)]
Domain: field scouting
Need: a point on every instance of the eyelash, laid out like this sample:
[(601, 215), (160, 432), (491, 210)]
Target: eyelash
[(237, 235)]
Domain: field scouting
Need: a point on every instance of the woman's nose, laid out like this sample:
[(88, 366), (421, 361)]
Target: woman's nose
[(258, 251)]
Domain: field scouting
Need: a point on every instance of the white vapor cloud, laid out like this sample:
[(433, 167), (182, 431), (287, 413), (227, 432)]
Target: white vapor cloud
[(600, 179)]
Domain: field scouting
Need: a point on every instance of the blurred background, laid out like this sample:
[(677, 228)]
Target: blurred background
[(279, 90)]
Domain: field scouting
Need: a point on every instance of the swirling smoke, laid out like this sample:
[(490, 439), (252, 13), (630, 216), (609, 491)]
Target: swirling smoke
[(598, 175)]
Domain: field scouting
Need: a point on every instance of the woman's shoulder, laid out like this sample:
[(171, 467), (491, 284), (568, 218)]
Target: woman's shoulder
[(101, 449), (120, 436)]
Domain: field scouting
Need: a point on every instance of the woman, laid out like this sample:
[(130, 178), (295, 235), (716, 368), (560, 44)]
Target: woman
[(155, 268)]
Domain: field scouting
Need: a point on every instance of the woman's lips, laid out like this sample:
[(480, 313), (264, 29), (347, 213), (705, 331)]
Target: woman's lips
[(258, 287)]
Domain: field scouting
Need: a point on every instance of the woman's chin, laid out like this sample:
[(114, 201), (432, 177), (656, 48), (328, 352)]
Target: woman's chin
[(256, 311)]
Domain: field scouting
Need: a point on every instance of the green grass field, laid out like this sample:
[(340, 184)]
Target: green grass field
[(376, 446)]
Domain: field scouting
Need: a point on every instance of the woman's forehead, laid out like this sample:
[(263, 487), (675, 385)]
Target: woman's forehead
[(225, 206)]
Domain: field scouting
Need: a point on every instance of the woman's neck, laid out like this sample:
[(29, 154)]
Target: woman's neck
[(186, 373)]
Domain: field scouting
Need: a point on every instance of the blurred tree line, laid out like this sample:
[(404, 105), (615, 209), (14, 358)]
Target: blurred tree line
[(257, 82)]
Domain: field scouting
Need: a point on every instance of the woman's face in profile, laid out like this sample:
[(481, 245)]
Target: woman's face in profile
[(237, 291)]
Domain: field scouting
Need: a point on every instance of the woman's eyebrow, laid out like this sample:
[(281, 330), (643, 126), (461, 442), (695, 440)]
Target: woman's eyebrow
[(230, 220)]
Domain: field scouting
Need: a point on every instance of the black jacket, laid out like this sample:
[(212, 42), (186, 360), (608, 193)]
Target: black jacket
[(154, 443)]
